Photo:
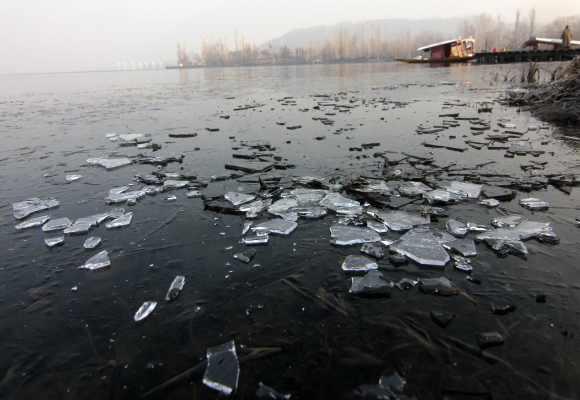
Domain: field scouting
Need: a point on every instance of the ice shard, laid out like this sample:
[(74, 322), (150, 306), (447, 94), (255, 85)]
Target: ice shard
[(375, 250), (400, 221), (238, 199), (358, 264), (490, 203), (32, 222), (121, 221), (78, 228), (109, 163), (54, 241), (58, 224), (72, 177), (413, 189), (456, 228), (145, 310), (424, 246), (223, 368), (175, 288), (534, 204), (440, 196), (275, 226), (341, 205), (92, 242), (98, 261), (377, 226), (255, 239), (464, 189), (23, 209), (508, 221), (126, 197), (371, 284), (342, 235), (438, 286), (465, 247)]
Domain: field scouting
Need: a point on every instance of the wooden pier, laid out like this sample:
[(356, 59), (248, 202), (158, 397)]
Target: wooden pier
[(517, 56)]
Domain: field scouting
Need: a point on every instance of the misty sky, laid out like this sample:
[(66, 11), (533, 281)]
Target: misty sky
[(64, 35)]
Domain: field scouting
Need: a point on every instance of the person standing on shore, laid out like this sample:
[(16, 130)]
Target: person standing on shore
[(566, 37)]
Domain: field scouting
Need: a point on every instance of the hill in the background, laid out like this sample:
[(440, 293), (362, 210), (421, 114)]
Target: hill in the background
[(383, 29)]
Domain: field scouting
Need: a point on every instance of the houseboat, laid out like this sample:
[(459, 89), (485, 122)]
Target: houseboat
[(450, 51)]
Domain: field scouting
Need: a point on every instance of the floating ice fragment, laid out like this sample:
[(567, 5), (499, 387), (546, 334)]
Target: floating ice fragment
[(341, 205), (464, 189), (121, 221), (78, 228), (32, 222), (133, 139), (268, 393), (223, 368), (171, 198), (424, 246), (509, 221), (276, 226), (358, 264), (170, 184), (109, 163), (456, 228), (473, 227), (465, 247), (440, 196), (491, 203), (254, 208), (252, 240), (400, 221), (371, 284), (306, 197), (534, 204), (145, 310), (54, 241), (245, 256), (175, 288), (313, 212), (342, 235), (238, 198), (413, 189), (374, 250), (118, 190), (72, 177), (438, 286), (23, 209), (98, 261), (92, 242), (246, 227), (58, 224), (133, 196), (462, 264), (377, 226), (282, 207), (193, 194)]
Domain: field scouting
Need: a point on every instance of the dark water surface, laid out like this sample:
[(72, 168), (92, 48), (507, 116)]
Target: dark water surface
[(64, 344)]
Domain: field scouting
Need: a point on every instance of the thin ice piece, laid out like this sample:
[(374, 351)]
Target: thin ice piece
[(438, 286), (534, 204), (509, 221), (23, 209), (371, 284), (145, 310), (92, 242), (424, 246), (175, 288), (400, 221), (98, 261), (78, 228), (413, 189), (72, 177), (252, 240), (464, 189), (456, 228), (109, 163), (276, 226), (358, 264), (465, 247), (58, 224), (377, 226), (238, 198), (54, 241), (342, 235), (223, 368), (441, 196), (341, 205), (121, 221), (32, 222)]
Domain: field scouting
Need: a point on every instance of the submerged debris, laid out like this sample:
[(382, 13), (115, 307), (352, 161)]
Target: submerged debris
[(438, 286)]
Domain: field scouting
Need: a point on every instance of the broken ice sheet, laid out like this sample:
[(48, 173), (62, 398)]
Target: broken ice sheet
[(121, 221), (238, 198), (309, 212), (98, 261), (375, 250), (413, 189), (440, 196), (170, 184), (54, 241), (465, 247), (400, 221), (268, 393), (109, 163), (424, 246), (377, 226), (145, 310), (509, 221), (58, 224), (254, 208), (358, 264), (255, 239), (282, 208), (133, 196), (456, 228), (275, 226), (438, 286), (342, 235), (308, 196), (504, 241), (23, 209), (175, 288), (78, 228), (371, 284), (32, 222), (92, 242), (341, 205), (464, 189), (223, 368), (534, 204)]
